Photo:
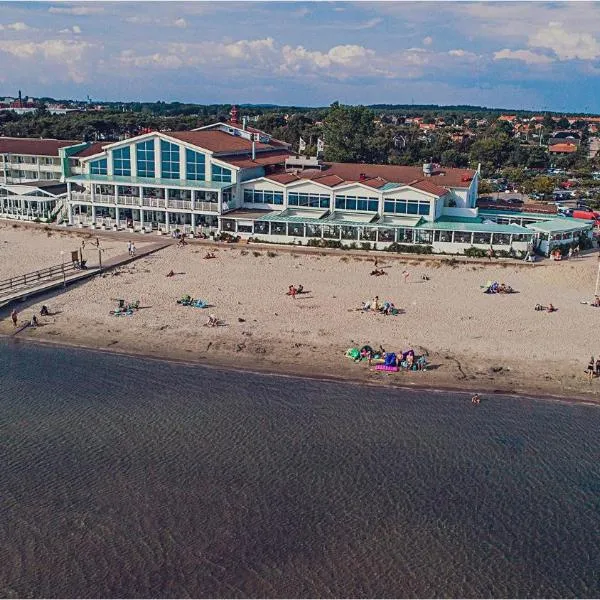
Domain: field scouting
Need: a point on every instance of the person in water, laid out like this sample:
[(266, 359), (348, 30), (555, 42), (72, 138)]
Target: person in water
[(476, 399)]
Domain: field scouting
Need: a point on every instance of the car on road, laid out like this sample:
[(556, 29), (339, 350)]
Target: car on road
[(514, 201)]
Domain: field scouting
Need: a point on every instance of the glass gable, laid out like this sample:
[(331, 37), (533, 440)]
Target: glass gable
[(362, 203), (221, 174), (169, 163), (309, 200), (263, 197), (195, 163), (145, 159), (99, 167), (122, 162), (406, 207)]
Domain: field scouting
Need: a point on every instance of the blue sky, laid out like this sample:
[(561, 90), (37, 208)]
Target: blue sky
[(531, 55)]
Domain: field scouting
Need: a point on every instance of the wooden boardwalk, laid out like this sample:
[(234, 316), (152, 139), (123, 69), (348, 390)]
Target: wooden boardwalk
[(71, 276)]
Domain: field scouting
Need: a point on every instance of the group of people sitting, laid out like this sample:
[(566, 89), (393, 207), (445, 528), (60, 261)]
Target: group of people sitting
[(385, 308), (210, 255), (550, 308), (493, 287), (212, 321), (378, 272), (405, 360), (292, 290)]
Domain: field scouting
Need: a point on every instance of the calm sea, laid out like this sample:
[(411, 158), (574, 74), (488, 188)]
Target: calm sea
[(124, 477)]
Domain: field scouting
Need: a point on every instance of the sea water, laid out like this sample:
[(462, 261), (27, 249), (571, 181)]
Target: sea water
[(129, 477)]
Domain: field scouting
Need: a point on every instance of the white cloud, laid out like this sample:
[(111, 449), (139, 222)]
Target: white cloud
[(368, 24), (526, 56), (567, 45), (181, 23), (68, 55), (88, 9), (301, 12), (75, 29), (427, 41), (20, 26)]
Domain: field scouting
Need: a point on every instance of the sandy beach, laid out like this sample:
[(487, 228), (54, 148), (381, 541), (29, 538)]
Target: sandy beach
[(473, 340)]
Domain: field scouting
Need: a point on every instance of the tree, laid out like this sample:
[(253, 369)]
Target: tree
[(348, 131), (563, 123)]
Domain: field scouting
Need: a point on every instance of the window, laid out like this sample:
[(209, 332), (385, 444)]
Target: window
[(309, 200), (195, 164), (99, 167), (263, 197), (145, 159), (363, 203), (221, 174), (169, 160), (406, 207), (122, 162)]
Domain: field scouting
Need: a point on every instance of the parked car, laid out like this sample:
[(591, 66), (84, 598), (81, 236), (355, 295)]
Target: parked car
[(514, 201)]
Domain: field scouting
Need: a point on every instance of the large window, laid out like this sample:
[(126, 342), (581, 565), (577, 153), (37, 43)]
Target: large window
[(99, 167), (406, 207), (309, 200), (122, 162), (145, 159), (263, 197), (363, 203), (195, 165), (221, 174), (169, 160)]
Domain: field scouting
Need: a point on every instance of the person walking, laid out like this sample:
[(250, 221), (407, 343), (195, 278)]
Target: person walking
[(133, 249), (406, 275), (129, 246), (13, 316)]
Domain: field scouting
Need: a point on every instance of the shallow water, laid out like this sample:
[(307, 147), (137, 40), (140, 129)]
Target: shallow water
[(125, 477)]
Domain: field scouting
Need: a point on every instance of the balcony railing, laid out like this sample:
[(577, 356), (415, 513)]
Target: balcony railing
[(207, 206), (154, 202), (128, 200), (181, 204), (81, 197)]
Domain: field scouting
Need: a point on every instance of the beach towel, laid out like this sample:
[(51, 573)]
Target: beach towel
[(390, 359), (353, 353)]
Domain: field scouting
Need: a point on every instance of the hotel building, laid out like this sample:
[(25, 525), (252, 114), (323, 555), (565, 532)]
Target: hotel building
[(228, 177)]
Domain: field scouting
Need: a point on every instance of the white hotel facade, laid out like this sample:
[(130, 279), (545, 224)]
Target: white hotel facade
[(227, 177)]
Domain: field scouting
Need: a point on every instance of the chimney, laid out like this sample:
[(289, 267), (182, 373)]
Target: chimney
[(20, 100), (234, 114), (253, 149), (362, 177)]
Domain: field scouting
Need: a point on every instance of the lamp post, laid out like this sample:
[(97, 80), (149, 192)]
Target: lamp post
[(100, 257), (62, 260)]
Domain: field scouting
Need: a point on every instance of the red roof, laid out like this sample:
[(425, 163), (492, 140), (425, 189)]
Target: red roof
[(563, 148), (92, 149), (216, 141), (33, 146), (378, 175), (263, 159)]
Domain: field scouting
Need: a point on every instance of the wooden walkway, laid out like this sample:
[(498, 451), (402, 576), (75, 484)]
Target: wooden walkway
[(74, 275)]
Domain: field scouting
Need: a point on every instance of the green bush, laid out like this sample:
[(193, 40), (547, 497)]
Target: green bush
[(473, 252), (404, 249), (365, 246), (322, 243)]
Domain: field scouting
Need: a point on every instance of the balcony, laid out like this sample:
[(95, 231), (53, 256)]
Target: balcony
[(80, 197), (206, 206), (180, 204), (128, 200), (153, 202)]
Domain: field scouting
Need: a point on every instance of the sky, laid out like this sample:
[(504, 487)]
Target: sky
[(521, 55)]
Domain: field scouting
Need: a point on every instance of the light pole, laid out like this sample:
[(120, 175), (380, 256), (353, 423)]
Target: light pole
[(62, 260), (100, 257)]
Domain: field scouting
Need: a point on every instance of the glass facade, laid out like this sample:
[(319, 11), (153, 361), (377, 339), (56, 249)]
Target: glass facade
[(406, 207), (221, 174), (145, 159), (122, 162), (169, 160), (263, 197), (363, 203), (195, 165), (99, 167), (309, 200)]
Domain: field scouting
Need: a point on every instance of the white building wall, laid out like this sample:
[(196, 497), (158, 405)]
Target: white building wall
[(262, 185)]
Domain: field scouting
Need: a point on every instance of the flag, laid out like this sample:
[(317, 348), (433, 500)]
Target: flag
[(320, 145), (302, 145)]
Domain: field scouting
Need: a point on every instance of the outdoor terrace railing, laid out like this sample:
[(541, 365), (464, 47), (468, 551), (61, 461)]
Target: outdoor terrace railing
[(35, 278)]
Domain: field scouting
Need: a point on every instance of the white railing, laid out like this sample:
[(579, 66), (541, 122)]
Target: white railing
[(154, 202), (81, 197), (181, 204), (207, 206), (128, 200)]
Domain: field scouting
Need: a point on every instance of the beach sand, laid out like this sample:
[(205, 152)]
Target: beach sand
[(474, 340)]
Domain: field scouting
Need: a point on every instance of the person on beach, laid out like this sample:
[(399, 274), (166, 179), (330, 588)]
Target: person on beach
[(292, 291), (132, 249), (83, 244), (570, 253), (44, 311), (550, 308), (406, 275), (476, 399), (171, 273), (490, 253), (34, 321), (375, 304), (13, 316), (129, 246), (597, 369), (591, 368)]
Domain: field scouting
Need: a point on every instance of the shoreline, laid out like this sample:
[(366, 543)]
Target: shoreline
[(268, 368)]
